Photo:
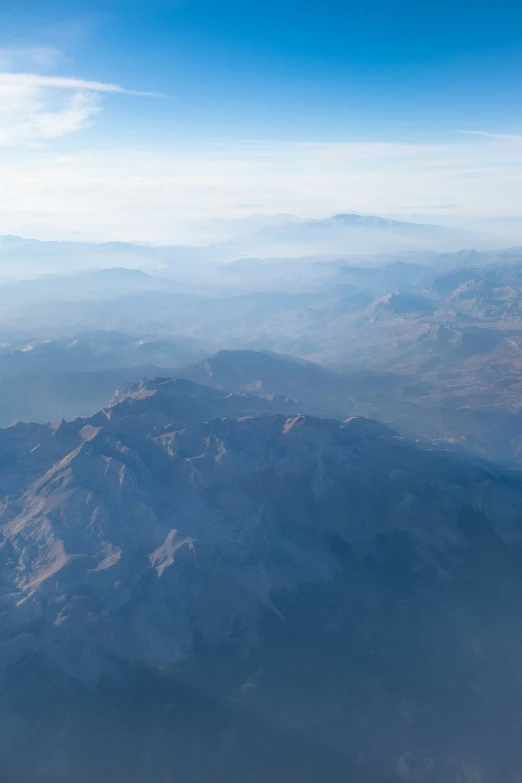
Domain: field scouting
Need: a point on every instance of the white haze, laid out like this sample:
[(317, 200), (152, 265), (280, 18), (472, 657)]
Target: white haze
[(170, 195)]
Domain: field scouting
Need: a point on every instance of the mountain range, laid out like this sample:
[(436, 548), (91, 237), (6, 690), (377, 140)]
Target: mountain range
[(261, 235), (261, 518), (428, 343), (215, 585)]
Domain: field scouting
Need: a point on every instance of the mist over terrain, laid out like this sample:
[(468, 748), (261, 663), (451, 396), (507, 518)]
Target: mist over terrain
[(227, 240), (426, 342), (261, 506)]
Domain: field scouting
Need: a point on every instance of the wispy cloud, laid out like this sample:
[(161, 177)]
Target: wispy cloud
[(35, 108), (487, 134), (33, 80)]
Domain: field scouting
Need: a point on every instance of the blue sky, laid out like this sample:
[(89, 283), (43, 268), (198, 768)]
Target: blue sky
[(305, 107)]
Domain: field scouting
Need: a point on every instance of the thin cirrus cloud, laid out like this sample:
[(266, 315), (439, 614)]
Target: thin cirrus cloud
[(35, 108), (489, 135)]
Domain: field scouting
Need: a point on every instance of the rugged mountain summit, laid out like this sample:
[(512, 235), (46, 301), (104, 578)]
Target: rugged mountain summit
[(443, 389), (253, 593)]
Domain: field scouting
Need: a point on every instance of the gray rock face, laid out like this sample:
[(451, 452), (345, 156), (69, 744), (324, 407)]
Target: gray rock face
[(161, 538)]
